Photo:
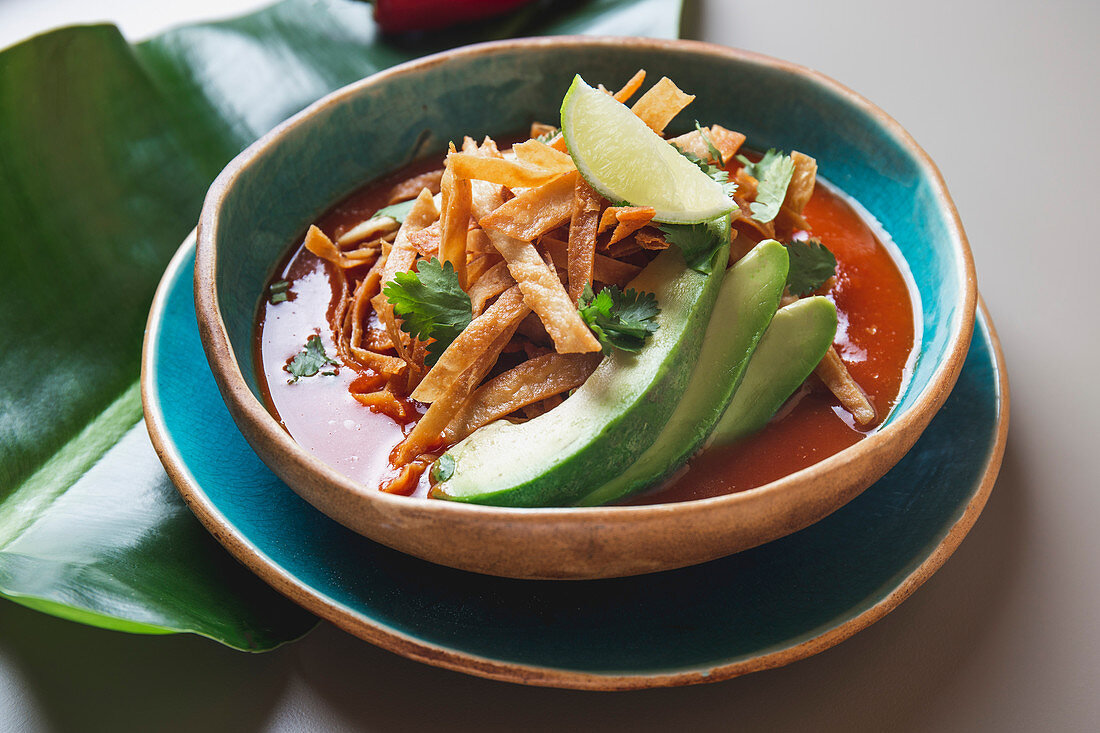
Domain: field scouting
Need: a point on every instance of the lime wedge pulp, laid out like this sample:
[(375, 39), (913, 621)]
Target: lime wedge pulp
[(626, 161)]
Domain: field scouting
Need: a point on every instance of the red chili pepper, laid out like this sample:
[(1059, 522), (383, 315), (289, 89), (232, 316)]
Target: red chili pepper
[(402, 16)]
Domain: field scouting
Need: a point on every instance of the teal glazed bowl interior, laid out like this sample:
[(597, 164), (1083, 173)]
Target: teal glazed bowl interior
[(260, 205)]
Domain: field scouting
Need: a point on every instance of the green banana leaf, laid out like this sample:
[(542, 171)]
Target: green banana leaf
[(106, 151)]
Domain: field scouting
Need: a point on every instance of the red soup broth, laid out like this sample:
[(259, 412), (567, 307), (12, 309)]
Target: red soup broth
[(875, 338)]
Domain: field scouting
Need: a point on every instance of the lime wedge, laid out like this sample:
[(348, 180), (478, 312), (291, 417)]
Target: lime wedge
[(624, 160)]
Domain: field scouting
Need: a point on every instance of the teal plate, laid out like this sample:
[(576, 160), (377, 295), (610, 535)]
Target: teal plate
[(761, 608)]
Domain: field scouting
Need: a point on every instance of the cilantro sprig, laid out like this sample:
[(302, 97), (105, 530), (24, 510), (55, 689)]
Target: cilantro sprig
[(619, 320), (716, 172), (310, 361), (811, 266), (431, 304), (699, 242), (548, 136), (397, 211), (773, 174), (712, 149)]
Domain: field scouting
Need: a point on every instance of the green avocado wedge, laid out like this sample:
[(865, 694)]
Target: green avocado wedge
[(557, 457), (793, 345), (746, 303)]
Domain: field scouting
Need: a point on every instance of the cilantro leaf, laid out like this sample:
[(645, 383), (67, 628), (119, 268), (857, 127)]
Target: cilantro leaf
[(773, 174), (719, 174), (309, 361), (431, 304), (811, 266), (548, 136), (699, 242), (712, 149), (619, 320), (398, 211)]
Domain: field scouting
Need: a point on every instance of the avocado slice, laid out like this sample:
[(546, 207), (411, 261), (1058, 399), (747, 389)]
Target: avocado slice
[(793, 345), (747, 300), (557, 457)]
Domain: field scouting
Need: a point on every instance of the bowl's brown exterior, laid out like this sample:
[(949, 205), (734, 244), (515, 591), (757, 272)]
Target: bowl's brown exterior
[(570, 543)]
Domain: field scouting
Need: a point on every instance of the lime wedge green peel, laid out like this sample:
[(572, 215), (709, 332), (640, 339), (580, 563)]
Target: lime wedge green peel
[(624, 160)]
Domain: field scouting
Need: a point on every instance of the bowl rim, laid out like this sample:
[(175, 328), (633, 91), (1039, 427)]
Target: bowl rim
[(244, 405)]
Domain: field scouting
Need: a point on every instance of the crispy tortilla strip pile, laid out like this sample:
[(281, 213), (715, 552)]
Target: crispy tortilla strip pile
[(525, 234)]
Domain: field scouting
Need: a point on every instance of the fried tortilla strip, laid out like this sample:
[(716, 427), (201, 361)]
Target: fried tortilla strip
[(651, 239), (538, 129), (506, 313), (799, 191), (366, 290), (542, 406), (407, 479), (541, 155), (692, 142), (376, 339), (632, 85), (535, 211), (744, 220), (532, 381), (364, 230), (489, 149), (412, 187), (625, 248), (801, 187), (454, 220), (429, 429), (628, 219), (418, 352), (339, 322), (515, 345), (495, 281), (545, 295), (319, 244), (426, 242), (478, 265), (581, 248), (605, 269), (383, 401), (726, 141), (485, 197), (530, 347), (532, 329), (614, 272), (660, 104), (607, 219), (401, 258), (510, 173), (477, 242), (836, 377), (746, 185), (613, 215)]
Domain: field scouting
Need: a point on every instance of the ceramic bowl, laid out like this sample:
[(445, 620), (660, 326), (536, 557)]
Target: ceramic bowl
[(267, 196)]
